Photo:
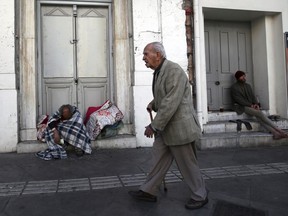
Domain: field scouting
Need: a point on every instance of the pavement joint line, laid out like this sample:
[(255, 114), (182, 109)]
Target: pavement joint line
[(121, 182), (105, 182), (90, 185)]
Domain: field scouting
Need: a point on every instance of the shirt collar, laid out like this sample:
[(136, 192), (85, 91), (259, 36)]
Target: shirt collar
[(160, 66)]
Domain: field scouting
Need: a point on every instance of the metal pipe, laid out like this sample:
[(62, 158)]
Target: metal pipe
[(197, 52)]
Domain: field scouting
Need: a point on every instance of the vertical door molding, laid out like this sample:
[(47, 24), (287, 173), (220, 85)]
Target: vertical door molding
[(123, 88), (27, 70)]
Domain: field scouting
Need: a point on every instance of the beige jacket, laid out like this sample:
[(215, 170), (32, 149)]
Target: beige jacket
[(175, 118)]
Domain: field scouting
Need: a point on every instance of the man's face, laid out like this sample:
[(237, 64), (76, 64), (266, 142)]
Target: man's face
[(242, 78), (66, 114), (151, 57)]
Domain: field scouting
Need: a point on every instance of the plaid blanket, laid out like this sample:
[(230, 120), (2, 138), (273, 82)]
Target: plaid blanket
[(73, 131)]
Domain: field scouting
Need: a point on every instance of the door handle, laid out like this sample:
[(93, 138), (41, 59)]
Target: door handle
[(217, 83), (76, 81), (73, 41)]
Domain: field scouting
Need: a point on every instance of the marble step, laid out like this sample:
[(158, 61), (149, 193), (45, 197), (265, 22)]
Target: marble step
[(238, 140), (119, 141), (229, 115), (230, 127)]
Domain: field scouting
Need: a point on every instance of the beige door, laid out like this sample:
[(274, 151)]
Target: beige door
[(227, 49), (75, 61)]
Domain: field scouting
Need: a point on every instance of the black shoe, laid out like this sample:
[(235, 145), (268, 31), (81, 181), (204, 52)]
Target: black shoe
[(274, 117), (141, 195), (79, 152), (246, 123), (193, 204), (239, 124)]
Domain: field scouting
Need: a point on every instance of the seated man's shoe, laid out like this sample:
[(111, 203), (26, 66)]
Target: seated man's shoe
[(44, 155), (193, 204), (79, 152), (280, 136), (141, 195)]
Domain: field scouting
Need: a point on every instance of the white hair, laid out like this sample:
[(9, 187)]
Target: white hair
[(158, 47)]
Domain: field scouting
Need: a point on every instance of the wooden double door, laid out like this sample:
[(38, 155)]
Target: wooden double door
[(75, 56)]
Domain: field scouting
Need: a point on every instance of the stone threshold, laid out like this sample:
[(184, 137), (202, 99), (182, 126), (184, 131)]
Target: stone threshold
[(119, 141)]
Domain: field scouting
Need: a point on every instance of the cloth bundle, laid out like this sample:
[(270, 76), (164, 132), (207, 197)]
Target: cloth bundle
[(108, 114)]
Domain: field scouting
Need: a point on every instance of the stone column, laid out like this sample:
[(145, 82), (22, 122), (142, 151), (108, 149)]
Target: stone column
[(27, 70), (123, 88)]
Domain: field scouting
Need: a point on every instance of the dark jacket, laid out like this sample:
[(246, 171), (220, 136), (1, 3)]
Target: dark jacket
[(242, 95)]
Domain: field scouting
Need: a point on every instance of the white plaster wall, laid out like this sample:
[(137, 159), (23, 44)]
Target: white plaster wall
[(147, 28), (8, 128), (276, 66), (8, 94), (6, 37), (164, 21)]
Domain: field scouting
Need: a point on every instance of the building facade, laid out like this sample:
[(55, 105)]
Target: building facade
[(87, 51)]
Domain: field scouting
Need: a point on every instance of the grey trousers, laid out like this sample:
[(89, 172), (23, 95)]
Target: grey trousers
[(185, 158), (263, 120)]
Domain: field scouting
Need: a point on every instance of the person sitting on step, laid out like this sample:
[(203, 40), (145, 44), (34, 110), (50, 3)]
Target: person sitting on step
[(246, 102), (65, 128)]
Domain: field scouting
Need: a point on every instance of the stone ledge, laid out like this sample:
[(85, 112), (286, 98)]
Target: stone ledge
[(30, 146), (230, 115), (226, 126), (234, 140), (119, 141)]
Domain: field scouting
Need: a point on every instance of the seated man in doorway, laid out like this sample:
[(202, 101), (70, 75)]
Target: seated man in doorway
[(245, 102), (65, 128)]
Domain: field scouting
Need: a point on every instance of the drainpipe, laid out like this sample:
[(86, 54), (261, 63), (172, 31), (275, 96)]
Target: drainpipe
[(197, 60), (189, 40), (188, 7)]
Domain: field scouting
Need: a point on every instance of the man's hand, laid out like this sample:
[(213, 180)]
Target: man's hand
[(56, 136), (255, 106), (149, 131), (149, 108)]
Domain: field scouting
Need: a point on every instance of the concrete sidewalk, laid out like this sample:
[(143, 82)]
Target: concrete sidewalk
[(246, 181)]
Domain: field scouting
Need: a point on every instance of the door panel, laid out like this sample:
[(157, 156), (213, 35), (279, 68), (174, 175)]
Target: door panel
[(91, 92), (92, 57), (211, 66), (227, 49), (57, 50), (57, 85), (57, 92), (92, 54), (243, 52), (224, 52)]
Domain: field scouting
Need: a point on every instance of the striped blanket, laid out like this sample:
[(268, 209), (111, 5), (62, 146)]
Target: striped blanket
[(73, 131)]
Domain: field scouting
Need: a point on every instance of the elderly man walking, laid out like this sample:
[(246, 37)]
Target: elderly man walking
[(175, 128)]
